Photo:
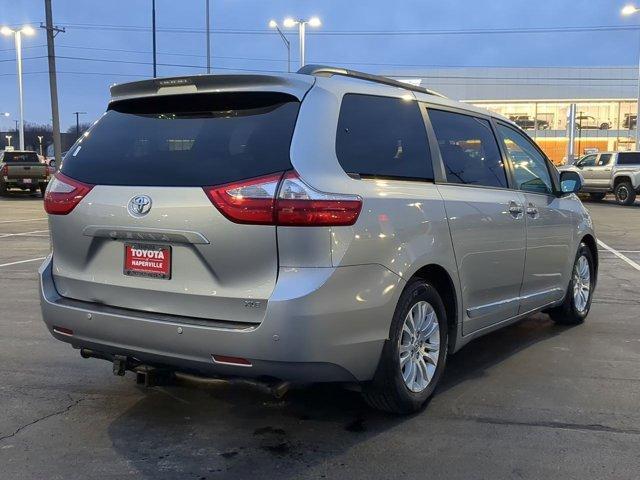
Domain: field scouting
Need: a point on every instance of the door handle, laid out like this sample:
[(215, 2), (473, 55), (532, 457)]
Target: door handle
[(532, 210), (515, 209)]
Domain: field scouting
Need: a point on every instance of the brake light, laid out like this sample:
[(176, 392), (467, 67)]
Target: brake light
[(300, 205), (63, 194), (283, 200), (5, 170), (250, 201)]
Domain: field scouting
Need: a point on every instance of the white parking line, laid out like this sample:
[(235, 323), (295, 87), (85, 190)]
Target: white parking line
[(24, 220), (21, 261), (619, 255), (5, 235)]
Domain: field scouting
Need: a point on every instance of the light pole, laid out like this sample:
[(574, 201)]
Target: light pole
[(77, 114), (302, 27), (287, 43), (17, 35), (630, 10)]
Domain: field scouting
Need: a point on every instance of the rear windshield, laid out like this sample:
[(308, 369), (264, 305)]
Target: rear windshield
[(18, 157), (630, 158), (186, 140)]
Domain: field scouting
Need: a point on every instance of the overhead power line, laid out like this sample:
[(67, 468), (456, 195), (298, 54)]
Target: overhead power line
[(485, 31)]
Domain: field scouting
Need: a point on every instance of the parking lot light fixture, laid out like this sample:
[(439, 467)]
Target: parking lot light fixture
[(17, 35), (302, 27), (287, 43), (629, 10)]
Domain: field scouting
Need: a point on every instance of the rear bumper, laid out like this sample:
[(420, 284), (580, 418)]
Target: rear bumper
[(320, 325)]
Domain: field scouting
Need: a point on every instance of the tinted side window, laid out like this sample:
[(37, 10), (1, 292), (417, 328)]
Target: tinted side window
[(469, 149), (530, 169), (382, 137), (629, 158), (588, 161)]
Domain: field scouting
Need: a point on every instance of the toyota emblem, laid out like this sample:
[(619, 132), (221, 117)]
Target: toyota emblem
[(139, 206)]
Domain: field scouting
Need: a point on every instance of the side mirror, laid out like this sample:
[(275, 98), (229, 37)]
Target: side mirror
[(570, 182)]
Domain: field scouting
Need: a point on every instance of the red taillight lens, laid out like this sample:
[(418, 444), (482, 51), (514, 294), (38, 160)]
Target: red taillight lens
[(63, 194), (300, 205), (5, 170), (285, 201), (250, 201)]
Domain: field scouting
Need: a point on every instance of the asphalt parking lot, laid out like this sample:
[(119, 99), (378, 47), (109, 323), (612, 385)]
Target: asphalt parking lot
[(534, 400)]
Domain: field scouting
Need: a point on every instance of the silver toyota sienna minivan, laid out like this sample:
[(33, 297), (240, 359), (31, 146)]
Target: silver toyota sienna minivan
[(323, 226)]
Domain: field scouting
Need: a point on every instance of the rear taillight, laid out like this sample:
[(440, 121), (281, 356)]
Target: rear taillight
[(300, 205), (250, 201), (5, 170), (283, 200), (63, 194)]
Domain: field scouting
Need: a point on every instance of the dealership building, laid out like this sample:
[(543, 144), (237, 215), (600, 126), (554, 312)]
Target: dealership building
[(539, 98)]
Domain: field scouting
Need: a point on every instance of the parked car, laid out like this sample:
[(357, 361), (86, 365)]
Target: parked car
[(630, 121), (527, 123), (324, 226), (22, 169), (587, 122), (610, 172)]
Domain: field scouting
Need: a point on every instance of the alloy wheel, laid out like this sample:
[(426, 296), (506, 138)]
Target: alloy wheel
[(581, 284), (419, 347)]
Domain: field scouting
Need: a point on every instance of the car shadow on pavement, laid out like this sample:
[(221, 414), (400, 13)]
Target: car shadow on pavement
[(238, 432)]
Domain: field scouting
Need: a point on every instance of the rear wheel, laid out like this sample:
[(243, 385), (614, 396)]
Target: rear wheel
[(597, 197), (3, 189), (625, 194), (577, 301), (414, 357)]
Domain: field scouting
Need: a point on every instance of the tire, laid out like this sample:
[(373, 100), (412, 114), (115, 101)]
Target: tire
[(569, 313), (3, 189), (389, 391), (597, 197), (625, 194)]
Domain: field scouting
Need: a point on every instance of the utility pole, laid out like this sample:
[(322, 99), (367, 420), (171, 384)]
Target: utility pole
[(77, 114), (153, 27), (208, 40), (53, 83)]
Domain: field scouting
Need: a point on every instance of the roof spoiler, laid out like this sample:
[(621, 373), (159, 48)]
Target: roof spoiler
[(328, 71), (236, 82)]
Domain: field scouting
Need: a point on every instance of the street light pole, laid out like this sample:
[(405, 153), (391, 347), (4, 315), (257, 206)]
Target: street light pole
[(301, 36), (77, 114), (302, 29), (153, 27), (208, 40), (630, 10), (17, 35), (287, 43)]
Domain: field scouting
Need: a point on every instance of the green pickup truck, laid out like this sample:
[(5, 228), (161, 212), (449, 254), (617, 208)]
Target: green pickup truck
[(23, 170)]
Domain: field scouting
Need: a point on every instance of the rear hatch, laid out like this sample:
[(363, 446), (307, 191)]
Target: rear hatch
[(23, 165), (147, 236)]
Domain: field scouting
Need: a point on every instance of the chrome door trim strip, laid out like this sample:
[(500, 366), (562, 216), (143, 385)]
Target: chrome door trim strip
[(503, 304)]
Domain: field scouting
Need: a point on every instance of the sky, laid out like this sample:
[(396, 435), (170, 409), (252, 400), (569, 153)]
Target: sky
[(369, 35)]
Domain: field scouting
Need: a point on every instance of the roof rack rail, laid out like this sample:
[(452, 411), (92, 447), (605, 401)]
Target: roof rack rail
[(327, 71)]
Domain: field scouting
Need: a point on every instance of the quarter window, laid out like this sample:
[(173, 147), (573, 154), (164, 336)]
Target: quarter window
[(382, 137), (604, 160), (469, 149), (530, 169)]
